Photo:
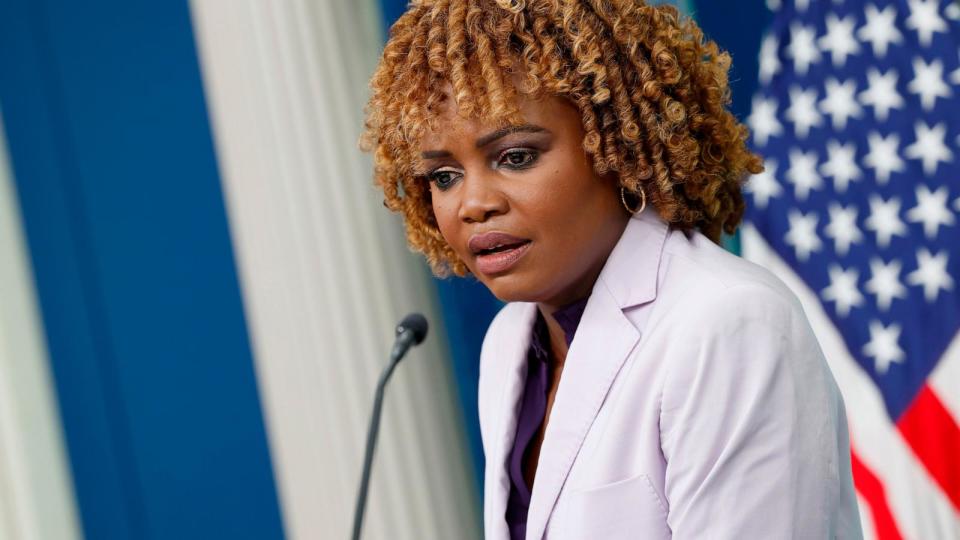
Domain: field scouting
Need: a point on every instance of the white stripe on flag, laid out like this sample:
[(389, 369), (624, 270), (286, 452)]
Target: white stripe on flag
[(866, 519), (945, 379), (918, 505)]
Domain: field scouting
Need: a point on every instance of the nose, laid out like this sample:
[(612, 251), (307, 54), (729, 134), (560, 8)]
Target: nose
[(481, 199)]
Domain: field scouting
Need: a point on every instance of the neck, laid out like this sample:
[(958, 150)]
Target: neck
[(581, 288), (558, 340)]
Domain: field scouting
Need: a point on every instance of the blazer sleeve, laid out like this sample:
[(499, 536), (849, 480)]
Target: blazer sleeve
[(752, 424)]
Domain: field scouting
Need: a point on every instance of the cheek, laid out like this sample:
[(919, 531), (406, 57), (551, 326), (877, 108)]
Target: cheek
[(440, 211), (562, 193), (445, 213)]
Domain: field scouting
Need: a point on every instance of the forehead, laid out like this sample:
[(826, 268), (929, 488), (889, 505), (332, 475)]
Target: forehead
[(550, 112)]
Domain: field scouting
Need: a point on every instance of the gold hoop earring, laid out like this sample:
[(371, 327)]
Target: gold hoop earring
[(643, 200)]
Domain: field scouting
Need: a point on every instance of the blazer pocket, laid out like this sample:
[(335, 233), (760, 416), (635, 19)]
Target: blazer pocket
[(628, 508)]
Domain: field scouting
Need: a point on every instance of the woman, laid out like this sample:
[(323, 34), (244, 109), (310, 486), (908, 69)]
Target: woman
[(578, 159)]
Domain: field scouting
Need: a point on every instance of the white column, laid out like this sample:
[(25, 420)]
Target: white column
[(326, 274), (36, 489)]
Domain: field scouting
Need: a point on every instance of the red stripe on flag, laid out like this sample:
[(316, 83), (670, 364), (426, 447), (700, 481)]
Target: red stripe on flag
[(871, 489), (933, 435)]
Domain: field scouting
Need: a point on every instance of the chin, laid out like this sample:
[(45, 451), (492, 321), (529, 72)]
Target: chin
[(513, 287)]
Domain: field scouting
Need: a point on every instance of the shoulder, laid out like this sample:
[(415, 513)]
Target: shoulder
[(504, 343), (734, 321), (709, 284), (737, 337), (509, 324), (506, 339)]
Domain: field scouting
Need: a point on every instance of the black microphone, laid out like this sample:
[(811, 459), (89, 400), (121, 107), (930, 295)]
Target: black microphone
[(411, 331)]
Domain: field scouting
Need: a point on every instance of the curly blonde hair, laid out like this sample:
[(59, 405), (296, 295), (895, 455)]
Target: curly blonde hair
[(651, 90)]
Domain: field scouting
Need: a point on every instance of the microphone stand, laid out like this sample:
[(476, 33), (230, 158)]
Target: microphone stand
[(405, 338)]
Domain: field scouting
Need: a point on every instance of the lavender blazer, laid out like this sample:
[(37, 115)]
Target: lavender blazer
[(695, 402)]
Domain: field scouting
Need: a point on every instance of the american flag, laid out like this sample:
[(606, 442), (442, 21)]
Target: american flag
[(857, 117)]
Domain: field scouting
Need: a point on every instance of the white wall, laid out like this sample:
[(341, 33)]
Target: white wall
[(36, 490), (326, 274)]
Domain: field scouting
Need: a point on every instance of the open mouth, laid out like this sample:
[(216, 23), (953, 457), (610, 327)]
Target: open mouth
[(502, 248), (502, 258)]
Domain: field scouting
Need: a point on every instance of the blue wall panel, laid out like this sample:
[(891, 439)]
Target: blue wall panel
[(116, 174), (738, 28)]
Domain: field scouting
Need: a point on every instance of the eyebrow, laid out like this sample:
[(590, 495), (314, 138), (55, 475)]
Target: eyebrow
[(500, 133), (489, 138)]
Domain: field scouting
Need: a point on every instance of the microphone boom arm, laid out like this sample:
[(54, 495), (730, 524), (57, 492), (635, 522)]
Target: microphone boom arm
[(411, 331)]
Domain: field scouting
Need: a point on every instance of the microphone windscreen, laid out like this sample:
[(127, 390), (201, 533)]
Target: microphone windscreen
[(417, 323)]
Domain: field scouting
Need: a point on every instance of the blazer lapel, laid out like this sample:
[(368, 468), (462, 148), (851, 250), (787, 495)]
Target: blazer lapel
[(497, 479), (604, 340)]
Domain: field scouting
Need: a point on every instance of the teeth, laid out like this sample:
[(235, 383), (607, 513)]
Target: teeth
[(498, 247)]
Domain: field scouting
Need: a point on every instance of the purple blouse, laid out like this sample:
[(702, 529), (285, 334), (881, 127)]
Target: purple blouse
[(533, 409)]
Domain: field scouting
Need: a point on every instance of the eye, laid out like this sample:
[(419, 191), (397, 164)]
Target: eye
[(519, 158), (444, 178)]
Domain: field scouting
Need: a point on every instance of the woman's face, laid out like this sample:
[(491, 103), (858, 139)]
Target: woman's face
[(522, 206)]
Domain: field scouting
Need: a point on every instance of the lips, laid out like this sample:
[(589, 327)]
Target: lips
[(493, 240), (497, 252)]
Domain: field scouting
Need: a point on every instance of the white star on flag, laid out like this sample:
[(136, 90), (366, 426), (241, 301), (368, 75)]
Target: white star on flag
[(803, 110), (885, 220), (881, 93), (843, 227), (803, 49), (843, 289), (763, 120), (803, 234), (931, 210), (764, 186), (931, 274), (769, 62), (803, 172), (885, 282), (840, 102), (884, 157), (928, 82), (883, 346), (929, 147), (841, 164), (880, 29), (839, 40), (925, 19), (952, 12)]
